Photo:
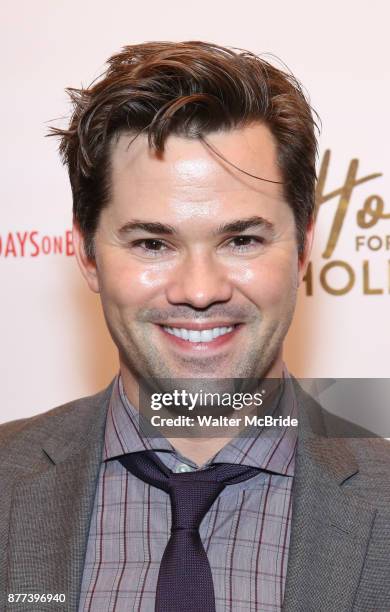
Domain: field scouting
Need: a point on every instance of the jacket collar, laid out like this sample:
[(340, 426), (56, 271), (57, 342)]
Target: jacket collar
[(46, 515), (330, 528)]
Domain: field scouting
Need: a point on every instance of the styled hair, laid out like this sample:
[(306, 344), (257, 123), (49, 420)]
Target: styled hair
[(187, 89)]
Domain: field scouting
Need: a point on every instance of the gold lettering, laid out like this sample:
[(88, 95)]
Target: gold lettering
[(334, 264), (359, 241), (374, 213), (344, 192), (366, 281)]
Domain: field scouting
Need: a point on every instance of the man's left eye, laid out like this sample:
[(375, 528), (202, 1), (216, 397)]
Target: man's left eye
[(242, 243), (150, 244)]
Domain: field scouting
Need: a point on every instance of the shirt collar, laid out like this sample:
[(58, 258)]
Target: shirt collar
[(271, 450)]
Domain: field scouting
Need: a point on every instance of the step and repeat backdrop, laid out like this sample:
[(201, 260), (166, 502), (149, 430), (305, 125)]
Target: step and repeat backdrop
[(54, 342)]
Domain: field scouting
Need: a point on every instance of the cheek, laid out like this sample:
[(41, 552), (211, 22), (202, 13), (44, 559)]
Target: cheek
[(267, 282), (127, 283)]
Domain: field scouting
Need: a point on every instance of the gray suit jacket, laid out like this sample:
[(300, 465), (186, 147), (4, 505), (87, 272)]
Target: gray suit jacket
[(339, 557)]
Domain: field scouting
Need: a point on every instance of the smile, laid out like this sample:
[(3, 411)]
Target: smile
[(192, 335)]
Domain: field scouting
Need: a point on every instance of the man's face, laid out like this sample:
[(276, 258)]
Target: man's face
[(196, 263)]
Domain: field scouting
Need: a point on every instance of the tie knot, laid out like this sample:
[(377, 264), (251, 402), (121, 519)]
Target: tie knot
[(191, 493), (191, 498)]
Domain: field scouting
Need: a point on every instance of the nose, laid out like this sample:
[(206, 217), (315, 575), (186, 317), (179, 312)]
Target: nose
[(199, 281)]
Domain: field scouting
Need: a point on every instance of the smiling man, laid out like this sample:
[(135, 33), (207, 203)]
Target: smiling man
[(196, 263), (193, 172)]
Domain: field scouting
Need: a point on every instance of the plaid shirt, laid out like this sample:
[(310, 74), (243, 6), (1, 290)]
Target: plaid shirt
[(245, 533)]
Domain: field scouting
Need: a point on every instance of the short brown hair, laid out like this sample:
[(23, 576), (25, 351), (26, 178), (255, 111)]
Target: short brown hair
[(188, 89)]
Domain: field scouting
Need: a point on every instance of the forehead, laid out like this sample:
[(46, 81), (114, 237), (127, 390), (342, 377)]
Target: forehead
[(251, 148), (188, 173)]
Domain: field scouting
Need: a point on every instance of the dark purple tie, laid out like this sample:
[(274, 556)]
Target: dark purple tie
[(185, 582)]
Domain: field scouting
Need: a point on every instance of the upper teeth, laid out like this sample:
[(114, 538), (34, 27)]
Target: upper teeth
[(192, 335)]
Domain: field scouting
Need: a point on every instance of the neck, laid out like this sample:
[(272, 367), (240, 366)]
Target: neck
[(198, 449)]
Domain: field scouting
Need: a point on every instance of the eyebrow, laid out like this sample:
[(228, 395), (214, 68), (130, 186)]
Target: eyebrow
[(238, 225), (147, 226)]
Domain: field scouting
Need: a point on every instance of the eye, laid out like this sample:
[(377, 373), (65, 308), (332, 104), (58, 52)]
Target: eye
[(246, 243), (150, 246)]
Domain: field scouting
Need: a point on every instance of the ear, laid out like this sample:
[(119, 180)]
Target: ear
[(87, 266), (305, 257)]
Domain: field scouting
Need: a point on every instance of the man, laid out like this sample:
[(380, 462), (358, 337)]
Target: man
[(192, 169)]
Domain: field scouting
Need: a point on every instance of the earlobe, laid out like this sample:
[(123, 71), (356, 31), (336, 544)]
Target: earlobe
[(86, 264)]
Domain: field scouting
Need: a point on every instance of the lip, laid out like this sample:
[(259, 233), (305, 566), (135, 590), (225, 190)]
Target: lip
[(204, 347), (200, 326)]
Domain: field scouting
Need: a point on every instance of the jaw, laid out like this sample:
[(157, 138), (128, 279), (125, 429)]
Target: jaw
[(151, 352)]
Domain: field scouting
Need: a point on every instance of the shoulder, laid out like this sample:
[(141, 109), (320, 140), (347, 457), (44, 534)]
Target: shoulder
[(370, 450), (338, 442), (320, 421), (73, 415)]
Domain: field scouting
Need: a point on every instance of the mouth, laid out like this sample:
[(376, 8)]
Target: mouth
[(200, 337)]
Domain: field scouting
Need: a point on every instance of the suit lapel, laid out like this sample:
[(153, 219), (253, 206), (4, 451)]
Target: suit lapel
[(330, 528), (51, 506), (50, 511)]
